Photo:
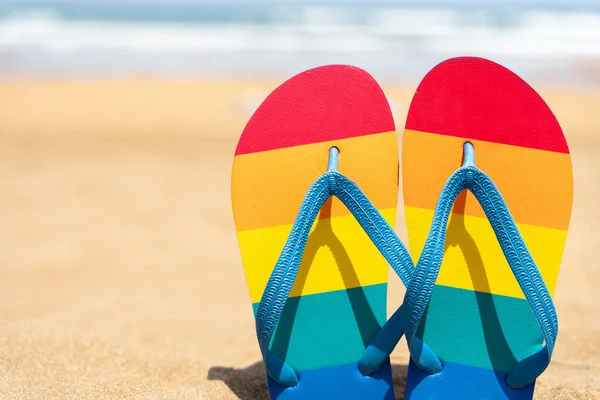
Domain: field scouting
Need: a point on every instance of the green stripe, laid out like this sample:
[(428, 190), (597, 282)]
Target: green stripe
[(480, 329), (328, 329)]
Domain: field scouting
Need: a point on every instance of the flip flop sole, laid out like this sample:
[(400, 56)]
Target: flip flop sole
[(338, 300), (478, 320)]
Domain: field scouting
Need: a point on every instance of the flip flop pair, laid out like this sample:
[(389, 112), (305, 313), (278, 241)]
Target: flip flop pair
[(487, 192)]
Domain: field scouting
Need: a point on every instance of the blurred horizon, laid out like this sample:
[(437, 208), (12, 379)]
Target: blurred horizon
[(551, 40)]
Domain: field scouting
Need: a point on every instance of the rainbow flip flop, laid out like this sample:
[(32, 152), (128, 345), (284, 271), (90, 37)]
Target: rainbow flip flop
[(478, 313), (321, 147)]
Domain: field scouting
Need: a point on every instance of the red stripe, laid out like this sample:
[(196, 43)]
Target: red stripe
[(476, 98), (319, 105)]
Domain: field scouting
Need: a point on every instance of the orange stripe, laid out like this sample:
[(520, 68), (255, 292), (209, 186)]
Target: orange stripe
[(263, 198), (536, 184)]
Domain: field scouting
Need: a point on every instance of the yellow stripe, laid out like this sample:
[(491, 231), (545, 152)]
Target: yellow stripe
[(474, 260), (344, 256)]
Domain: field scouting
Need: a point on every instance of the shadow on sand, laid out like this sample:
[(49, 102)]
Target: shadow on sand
[(251, 383)]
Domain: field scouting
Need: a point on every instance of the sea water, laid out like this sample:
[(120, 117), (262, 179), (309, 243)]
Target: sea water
[(399, 38)]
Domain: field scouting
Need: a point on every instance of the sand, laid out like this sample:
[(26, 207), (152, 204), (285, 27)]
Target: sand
[(120, 276)]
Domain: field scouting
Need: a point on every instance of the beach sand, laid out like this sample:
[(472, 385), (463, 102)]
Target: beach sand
[(120, 275)]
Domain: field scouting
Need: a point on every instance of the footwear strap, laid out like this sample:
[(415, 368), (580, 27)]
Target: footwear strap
[(408, 317), (282, 278)]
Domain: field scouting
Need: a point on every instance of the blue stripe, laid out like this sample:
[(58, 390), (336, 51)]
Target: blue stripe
[(339, 382), (457, 381)]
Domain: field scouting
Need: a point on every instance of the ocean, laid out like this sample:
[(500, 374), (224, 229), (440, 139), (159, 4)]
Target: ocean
[(399, 39)]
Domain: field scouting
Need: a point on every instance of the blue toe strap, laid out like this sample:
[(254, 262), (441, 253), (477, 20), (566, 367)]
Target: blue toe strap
[(383, 343), (408, 317), (280, 283), (519, 259)]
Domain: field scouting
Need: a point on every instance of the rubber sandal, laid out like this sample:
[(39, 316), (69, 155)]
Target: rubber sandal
[(489, 316), (478, 314), (318, 290)]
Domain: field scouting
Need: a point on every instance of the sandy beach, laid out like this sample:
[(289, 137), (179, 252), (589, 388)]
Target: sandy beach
[(120, 275)]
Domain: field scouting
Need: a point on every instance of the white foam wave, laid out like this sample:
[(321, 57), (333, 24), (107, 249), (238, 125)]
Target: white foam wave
[(436, 32)]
